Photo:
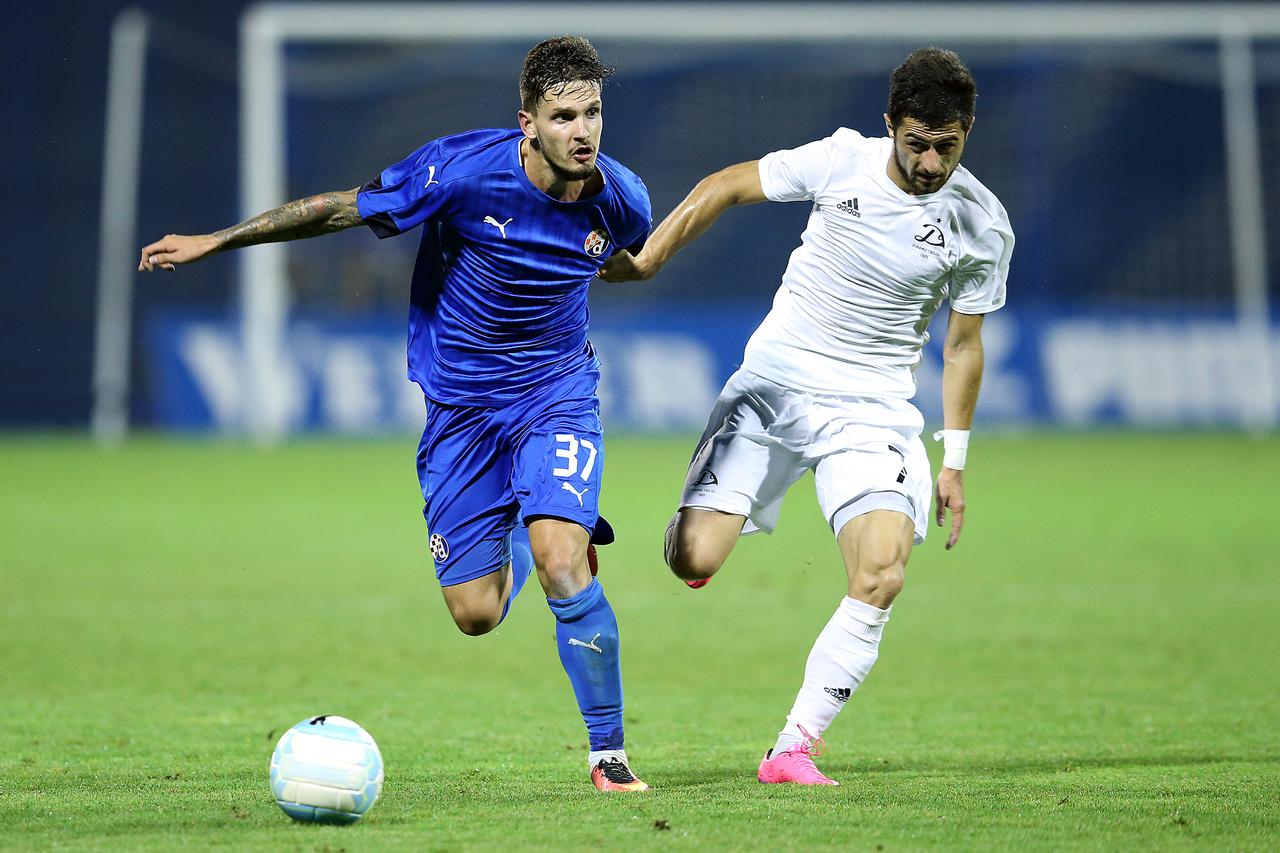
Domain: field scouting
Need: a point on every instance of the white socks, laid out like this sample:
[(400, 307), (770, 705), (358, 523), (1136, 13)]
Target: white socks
[(838, 663), (596, 756)]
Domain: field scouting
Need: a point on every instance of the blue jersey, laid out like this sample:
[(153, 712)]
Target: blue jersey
[(499, 299)]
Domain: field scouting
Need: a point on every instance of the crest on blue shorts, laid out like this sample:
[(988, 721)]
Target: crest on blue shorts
[(439, 548)]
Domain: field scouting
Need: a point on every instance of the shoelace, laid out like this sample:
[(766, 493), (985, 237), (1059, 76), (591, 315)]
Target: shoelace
[(616, 771), (818, 744)]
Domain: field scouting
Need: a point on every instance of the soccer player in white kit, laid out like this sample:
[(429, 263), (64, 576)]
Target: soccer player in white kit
[(898, 227)]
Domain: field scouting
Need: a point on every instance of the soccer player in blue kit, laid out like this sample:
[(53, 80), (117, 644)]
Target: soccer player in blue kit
[(515, 225)]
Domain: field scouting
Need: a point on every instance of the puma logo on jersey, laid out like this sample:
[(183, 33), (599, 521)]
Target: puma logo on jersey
[(577, 494), (850, 206), (431, 177), (501, 226), (591, 645)]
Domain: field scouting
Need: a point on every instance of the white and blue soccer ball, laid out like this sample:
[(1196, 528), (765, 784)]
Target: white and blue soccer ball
[(326, 770)]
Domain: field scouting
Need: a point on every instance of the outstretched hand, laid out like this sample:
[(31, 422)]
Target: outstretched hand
[(624, 266), (949, 494), (173, 249)]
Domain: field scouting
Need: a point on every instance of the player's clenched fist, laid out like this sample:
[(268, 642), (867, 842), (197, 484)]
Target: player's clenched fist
[(173, 249), (624, 266)]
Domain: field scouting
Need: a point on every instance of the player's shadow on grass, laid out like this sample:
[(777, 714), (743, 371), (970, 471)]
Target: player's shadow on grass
[(704, 777), (850, 771), (1043, 764)]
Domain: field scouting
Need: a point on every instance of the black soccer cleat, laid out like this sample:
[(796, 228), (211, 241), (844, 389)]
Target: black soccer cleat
[(614, 775)]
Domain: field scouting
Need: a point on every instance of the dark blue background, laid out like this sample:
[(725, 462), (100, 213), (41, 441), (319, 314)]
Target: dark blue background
[(1114, 181)]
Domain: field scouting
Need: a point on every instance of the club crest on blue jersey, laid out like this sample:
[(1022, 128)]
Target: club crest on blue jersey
[(439, 548), (597, 241)]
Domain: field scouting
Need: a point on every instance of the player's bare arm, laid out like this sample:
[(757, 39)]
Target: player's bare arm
[(961, 381), (306, 217), (714, 194)]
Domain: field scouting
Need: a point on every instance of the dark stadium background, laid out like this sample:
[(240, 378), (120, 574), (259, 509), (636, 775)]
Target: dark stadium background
[(55, 71)]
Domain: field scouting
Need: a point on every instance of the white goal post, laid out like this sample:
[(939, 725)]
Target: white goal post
[(117, 221), (267, 28)]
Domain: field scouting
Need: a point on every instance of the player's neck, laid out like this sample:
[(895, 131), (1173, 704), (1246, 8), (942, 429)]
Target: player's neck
[(542, 176)]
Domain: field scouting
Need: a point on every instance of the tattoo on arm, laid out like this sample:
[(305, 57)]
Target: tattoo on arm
[(307, 217)]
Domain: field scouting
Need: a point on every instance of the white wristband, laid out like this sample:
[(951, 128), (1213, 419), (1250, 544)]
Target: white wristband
[(955, 447)]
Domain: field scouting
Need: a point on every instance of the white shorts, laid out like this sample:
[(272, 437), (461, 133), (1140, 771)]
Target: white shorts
[(865, 454)]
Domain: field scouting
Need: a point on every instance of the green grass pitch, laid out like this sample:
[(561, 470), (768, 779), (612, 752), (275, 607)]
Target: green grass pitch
[(1095, 666)]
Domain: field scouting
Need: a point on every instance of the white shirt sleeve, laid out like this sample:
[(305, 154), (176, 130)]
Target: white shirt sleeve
[(798, 174), (983, 270)]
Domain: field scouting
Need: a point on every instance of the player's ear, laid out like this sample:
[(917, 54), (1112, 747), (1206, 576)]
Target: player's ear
[(888, 124), (525, 118)]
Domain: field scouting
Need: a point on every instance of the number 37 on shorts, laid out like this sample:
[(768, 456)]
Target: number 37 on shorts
[(568, 485)]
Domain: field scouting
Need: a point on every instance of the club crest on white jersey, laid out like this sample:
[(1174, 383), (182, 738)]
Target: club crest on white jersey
[(931, 235)]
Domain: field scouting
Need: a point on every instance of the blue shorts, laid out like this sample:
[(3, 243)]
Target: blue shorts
[(484, 469)]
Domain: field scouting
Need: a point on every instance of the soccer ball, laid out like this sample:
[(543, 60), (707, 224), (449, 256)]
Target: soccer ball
[(326, 770)]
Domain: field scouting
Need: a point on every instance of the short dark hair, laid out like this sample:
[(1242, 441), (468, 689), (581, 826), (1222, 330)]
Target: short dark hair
[(933, 87), (558, 61)]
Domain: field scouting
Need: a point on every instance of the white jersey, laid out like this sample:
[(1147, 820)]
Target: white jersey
[(873, 266)]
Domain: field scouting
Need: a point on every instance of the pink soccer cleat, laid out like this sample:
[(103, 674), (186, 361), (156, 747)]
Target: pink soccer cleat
[(794, 765), (698, 584)]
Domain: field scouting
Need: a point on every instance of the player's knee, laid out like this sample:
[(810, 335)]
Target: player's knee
[(562, 570), (474, 621), (877, 588), (475, 626), (880, 576), (692, 562)]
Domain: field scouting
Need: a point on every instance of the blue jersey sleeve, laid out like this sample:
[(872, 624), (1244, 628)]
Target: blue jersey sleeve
[(408, 193), (638, 243), (642, 220)]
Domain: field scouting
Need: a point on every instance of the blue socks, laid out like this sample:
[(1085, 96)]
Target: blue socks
[(521, 564), (587, 638)]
